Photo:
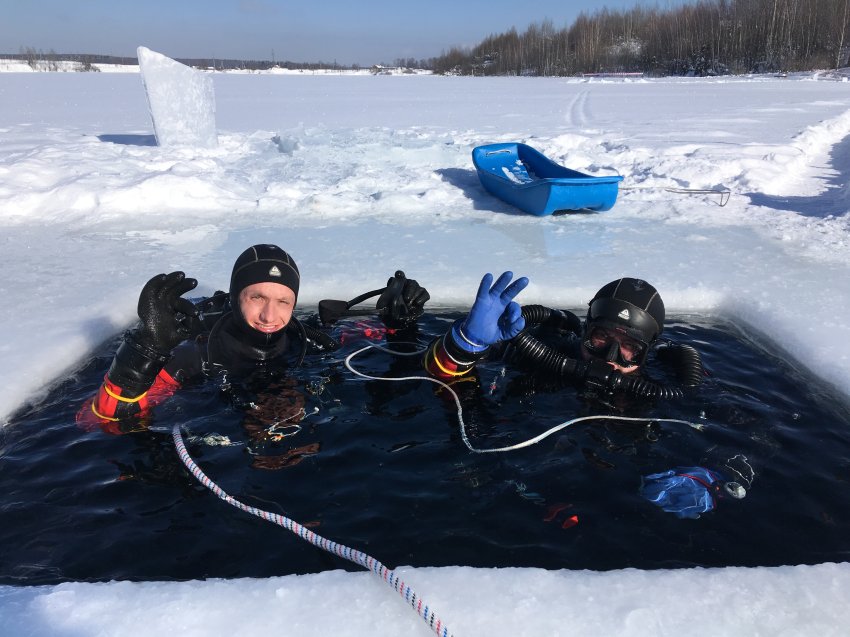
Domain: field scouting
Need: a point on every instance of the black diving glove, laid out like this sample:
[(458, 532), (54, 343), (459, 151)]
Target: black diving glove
[(167, 320), (402, 302)]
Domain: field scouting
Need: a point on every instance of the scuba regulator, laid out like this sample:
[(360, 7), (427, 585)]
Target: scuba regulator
[(400, 303)]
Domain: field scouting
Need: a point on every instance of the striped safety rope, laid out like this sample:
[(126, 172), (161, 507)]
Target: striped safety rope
[(353, 555)]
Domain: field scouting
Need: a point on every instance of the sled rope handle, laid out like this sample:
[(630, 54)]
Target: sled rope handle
[(352, 555), (462, 424), (725, 193)]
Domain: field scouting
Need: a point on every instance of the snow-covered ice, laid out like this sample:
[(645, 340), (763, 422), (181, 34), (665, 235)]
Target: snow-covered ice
[(740, 602), (358, 176)]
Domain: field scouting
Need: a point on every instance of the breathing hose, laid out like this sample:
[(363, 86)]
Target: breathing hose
[(323, 341), (685, 359), (311, 335)]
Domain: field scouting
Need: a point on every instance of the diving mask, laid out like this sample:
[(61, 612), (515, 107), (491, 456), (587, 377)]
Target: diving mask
[(615, 347)]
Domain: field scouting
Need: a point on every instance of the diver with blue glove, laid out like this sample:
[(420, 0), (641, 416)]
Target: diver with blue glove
[(493, 318), (604, 352)]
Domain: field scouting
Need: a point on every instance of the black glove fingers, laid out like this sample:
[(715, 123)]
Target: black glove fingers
[(185, 285), (413, 293), (169, 295), (178, 303), (185, 307), (401, 303), (157, 291), (153, 286), (391, 295), (148, 298), (411, 288), (171, 285), (167, 318), (420, 298)]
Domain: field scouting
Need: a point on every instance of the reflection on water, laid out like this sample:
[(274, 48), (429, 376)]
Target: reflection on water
[(382, 467)]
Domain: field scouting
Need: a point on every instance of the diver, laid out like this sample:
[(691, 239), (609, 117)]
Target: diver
[(605, 353), (238, 334)]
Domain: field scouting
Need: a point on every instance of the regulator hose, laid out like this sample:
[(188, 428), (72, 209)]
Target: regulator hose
[(546, 359), (643, 388), (324, 342), (311, 335), (597, 373), (539, 314), (685, 359)]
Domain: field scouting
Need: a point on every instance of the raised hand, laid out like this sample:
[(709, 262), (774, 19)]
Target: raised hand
[(494, 316), (167, 318)]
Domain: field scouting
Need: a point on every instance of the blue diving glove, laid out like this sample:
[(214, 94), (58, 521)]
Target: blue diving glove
[(685, 491), (494, 316)]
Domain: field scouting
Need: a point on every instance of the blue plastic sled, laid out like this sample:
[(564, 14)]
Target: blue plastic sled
[(526, 178)]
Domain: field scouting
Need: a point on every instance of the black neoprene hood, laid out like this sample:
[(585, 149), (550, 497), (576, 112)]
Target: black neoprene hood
[(632, 304), (262, 263)]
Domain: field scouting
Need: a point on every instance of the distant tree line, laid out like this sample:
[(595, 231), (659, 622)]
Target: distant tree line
[(413, 63), (220, 64), (707, 37), (38, 60), (41, 61)]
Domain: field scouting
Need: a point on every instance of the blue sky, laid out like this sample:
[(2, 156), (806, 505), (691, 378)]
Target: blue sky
[(348, 31)]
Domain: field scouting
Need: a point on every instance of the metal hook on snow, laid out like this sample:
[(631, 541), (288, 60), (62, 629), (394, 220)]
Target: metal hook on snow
[(725, 193)]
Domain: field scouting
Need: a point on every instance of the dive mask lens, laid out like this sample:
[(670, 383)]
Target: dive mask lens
[(623, 351)]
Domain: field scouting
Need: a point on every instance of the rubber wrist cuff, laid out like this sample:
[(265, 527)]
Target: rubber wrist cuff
[(462, 342), (135, 366), (458, 353)]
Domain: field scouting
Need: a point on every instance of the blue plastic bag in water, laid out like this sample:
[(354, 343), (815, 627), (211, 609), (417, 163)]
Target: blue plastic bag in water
[(685, 491)]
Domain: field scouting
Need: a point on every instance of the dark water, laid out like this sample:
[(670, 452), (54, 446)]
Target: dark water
[(381, 467)]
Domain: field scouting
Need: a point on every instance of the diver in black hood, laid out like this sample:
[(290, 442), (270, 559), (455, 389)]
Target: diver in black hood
[(604, 352), (233, 333)]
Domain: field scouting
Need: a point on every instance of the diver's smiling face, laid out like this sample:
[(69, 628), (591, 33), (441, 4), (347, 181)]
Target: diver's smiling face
[(267, 307)]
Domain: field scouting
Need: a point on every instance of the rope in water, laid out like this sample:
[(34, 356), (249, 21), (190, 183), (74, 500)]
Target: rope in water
[(526, 443), (358, 557)]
